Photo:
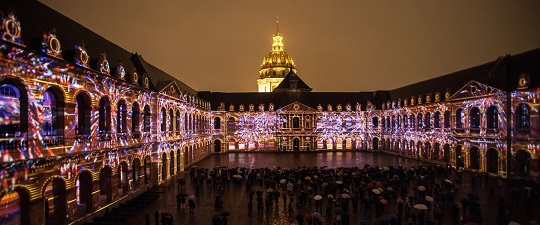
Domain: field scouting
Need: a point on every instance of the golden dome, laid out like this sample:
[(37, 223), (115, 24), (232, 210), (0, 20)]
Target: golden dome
[(277, 63)]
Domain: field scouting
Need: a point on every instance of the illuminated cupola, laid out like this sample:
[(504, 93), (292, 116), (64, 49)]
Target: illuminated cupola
[(275, 66)]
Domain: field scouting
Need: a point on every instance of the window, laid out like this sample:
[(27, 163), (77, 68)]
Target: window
[(474, 120), (163, 119), (135, 117), (447, 119), (393, 122), (375, 122), (427, 121), (10, 111), (284, 121), (437, 120), (420, 121), (50, 114), (492, 119), (178, 122), (296, 122), (217, 123), (121, 116), (523, 120), (405, 121), (171, 120), (412, 122), (147, 119), (459, 122), (104, 115)]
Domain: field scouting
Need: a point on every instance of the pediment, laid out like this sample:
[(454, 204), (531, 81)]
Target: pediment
[(172, 90), (473, 90), (296, 106)]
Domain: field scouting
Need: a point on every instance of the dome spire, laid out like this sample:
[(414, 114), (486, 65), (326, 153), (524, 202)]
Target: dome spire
[(277, 45)]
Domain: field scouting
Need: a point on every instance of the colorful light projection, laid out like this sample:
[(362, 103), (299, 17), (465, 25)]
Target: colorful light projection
[(257, 127)]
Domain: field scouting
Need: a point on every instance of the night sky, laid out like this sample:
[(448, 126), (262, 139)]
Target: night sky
[(336, 45)]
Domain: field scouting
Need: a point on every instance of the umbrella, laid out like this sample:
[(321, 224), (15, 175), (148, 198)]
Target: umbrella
[(384, 201), (421, 188), (429, 198), (282, 181), (324, 184), (448, 181), (269, 190), (192, 197), (315, 176), (389, 189), (225, 213), (376, 191), (307, 178), (380, 189), (344, 195), (339, 182), (317, 197), (420, 206), (338, 210), (330, 196), (316, 215)]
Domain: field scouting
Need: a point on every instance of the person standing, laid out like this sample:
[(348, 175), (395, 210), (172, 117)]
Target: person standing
[(156, 217), (147, 219), (191, 205)]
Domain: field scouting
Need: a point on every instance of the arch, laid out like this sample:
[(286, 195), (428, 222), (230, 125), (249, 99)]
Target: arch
[(405, 121), (104, 115), (412, 148), (459, 156), (296, 122), (375, 143), (16, 206), (427, 121), (136, 172), (522, 162), (135, 112), (84, 111), (492, 120), (474, 120), (84, 191), (147, 169), (217, 123), (412, 122), (121, 117), (436, 154), (348, 143), (163, 119), (178, 122), (523, 118), (447, 119), (217, 145), (437, 120), (164, 166), (296, 144), (420, 150), (105, 185), (123, 178), (375, 123), (427, 151), (383, 144), (492, 160), (459, 120), (446, 152), (147, 120), (53, 112), (420, 118), (14, 105), (474, 158), (171, 121), (55, 204), (171, 164)]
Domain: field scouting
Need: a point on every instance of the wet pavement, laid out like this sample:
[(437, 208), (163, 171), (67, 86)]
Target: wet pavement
[(235, 198)]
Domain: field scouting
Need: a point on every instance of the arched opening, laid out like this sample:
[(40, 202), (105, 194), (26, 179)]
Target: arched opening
[(217, 145), (53, 112), (474, 158), (405, 121), (412, 148), (446, 151), (436, 151), (121, 117), (296, 144), (348, 143), (217, 123), (14, 106), (232, 144), (11, 208), (147, 169), (55, 203), (427, 153), (420, 150), (459, 120), (427, 121), (178, 122), (446, 119), (492, 160), (135, 124), (84, 192), (163, 119), (420, 124), (147, 119), (171, 164), (164, 167), (393, 122), (231, 125), (171, 121), (339, 143), (522, 162), (375, 122), (459, 156), (474, 120), (412, 122), (375, 143), (105, 186), (84, 108), (437, 120), (492, 117), (383, 144), (104, 115), (523, 118), (123, 178), (136, 172), (387, 147), (296, 122)]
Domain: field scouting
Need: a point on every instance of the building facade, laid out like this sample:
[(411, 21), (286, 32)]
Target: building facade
[(84, 125)]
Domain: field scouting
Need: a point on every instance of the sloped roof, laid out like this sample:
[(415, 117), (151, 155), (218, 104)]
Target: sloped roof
[(285, 83), (159, 78)]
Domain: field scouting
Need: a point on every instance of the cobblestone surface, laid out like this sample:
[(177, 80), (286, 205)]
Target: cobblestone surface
[(236, 199)]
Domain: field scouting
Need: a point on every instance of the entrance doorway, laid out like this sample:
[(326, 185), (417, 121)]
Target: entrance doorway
[(296, 144)]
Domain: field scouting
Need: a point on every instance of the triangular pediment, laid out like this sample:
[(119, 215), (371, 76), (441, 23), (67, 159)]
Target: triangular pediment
[(473, 90), (296, 106), (171, 89)]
